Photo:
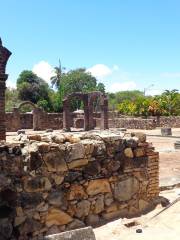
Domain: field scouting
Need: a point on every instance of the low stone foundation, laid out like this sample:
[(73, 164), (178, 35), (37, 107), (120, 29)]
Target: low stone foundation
[(52, 183)]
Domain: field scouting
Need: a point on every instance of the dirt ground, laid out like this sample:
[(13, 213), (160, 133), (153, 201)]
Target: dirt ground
[(169, 157), (165, 226)]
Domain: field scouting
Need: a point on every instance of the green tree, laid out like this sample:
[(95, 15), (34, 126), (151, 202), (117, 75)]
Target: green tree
[(170, 97), (32, 88), (117, 98), (56, 79), (101, 87), (11, 97), (79, 80)]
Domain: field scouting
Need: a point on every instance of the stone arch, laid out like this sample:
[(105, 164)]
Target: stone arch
[(37, 114), (66, 110), (94, 96), (26, 103), (88, 99)]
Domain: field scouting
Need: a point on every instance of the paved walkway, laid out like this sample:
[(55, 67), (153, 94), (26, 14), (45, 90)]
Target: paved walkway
[(165, 226)]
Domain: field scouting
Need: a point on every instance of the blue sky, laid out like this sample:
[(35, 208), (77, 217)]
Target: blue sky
[(127, 44)]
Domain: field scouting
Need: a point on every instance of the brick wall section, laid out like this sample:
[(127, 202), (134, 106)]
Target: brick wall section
[(153, 172), (52, 183), (2, 107)]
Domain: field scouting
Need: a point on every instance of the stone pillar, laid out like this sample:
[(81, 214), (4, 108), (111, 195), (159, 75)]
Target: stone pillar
[(37, 119), (4, 56), (3, 78), (91, 118), (104, 114), (17, 119), (86, 113), (66, 116)]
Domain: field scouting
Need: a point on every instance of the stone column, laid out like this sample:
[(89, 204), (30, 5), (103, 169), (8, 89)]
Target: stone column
[(3, 78), (86, 113), (37, 119), (104, 114), (91, 118), (17, 119), (66, 116), (4, 56)]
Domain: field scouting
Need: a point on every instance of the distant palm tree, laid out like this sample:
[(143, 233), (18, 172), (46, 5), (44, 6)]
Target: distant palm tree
[(56, 79), (170, 97)]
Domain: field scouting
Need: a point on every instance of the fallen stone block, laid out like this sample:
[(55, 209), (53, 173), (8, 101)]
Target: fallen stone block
[(78, 234), (49, 130), (166, 132), (21, 131), (177, 145), (122, 129)]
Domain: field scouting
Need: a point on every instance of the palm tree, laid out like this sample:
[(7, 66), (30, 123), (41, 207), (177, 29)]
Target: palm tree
[(170, 97), (56, 79)]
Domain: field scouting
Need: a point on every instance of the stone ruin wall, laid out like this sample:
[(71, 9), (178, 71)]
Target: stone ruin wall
[(55, 121), (142, 123), (52, 183), (132, 123)]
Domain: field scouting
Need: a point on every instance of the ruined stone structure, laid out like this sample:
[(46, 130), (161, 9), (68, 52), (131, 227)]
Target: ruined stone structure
[(88, 100), (4, 56), (52, 183), (55, 121), (37, 113)]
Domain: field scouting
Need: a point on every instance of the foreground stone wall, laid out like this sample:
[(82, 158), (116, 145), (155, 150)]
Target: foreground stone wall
[(53, 183)]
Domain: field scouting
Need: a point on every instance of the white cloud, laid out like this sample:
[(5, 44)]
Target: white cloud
[(115, 67), (44, 70), (153, 92), (10, 83), (170, 74), (110, 77), (116, 87), (100, 70)]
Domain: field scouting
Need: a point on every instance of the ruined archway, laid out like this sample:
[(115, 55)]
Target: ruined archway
[(26, 103), (103, 108), (66, 110), (88, 99), (36, 116)]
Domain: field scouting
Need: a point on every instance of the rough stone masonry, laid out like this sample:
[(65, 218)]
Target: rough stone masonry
[(55, 182), (4, 56)]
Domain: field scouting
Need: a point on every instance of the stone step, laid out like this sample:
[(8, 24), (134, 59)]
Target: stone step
[(78, 234)]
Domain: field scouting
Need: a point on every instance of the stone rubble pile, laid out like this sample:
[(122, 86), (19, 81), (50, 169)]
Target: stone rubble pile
[(52, 183)]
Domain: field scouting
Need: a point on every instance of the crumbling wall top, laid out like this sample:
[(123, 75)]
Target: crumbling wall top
[(4, 56)]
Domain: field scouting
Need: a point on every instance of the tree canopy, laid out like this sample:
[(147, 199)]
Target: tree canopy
[(79, 80), (32, 88)]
